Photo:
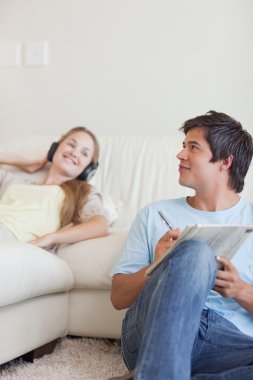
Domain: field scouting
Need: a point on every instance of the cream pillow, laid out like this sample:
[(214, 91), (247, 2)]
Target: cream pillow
[(112, 206)]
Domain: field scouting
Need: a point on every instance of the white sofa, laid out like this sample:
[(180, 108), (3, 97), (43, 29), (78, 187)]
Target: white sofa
[(44, 296)]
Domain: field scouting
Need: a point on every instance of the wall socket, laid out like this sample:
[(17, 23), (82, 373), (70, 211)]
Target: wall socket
[(29, 54), (36, 53)]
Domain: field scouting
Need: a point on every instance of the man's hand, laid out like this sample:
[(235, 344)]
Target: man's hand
[(228, 282), (165, 243)]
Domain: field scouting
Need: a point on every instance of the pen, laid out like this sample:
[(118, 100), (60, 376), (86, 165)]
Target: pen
[(165, 220)]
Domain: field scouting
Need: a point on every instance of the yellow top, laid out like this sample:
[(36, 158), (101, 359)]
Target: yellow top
[(30, 211)]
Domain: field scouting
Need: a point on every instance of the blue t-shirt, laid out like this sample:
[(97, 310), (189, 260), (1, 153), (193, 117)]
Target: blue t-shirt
[(148, 228)]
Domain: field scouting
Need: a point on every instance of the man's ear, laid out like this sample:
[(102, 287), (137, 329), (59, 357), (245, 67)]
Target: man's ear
[(227, 162)]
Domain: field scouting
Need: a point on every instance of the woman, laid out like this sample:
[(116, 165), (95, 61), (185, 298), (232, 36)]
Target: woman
[(63, 208)]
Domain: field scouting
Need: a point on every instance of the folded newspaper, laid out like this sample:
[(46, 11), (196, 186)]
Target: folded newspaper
[(224, 240)]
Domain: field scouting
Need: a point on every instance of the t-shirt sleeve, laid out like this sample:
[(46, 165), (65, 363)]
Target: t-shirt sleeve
[(136, 252), (94, 206)]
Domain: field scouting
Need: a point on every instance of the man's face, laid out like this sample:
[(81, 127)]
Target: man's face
[(195, 169)]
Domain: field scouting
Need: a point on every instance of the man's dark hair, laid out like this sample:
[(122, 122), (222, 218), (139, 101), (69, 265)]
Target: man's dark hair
[(225, 137)]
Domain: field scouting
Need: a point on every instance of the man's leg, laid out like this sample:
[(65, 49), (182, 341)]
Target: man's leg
[(242, 373), (221, 351), (160, 328)]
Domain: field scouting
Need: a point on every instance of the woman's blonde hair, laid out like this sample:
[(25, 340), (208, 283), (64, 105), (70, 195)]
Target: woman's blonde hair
[(76, 191)]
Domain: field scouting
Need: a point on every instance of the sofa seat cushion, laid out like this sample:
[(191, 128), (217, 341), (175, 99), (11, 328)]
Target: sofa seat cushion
[(28, 271), (91, 260)]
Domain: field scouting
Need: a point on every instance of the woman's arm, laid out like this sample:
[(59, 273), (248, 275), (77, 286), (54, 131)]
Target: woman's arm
[(96, 226), (23, 163)]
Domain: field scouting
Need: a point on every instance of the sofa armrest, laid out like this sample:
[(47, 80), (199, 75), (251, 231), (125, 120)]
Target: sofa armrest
[(91, 260)]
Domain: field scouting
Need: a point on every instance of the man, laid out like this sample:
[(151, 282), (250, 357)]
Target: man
[(188, 320)]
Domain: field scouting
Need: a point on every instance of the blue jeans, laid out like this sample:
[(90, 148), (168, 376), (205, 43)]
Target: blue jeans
[(166, 334)]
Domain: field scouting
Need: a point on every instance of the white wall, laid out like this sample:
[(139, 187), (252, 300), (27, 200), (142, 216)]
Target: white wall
[(127, 66)]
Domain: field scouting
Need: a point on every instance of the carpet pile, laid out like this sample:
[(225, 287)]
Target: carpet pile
[(73, 358)]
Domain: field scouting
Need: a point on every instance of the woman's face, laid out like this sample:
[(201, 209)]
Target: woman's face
[(74, 154)]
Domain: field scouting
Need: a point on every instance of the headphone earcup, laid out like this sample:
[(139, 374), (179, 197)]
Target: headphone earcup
[(88, 172), (52, 150)]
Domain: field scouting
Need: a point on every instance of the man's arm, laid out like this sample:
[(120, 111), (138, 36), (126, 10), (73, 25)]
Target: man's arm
[(229, 284), (127, 287)]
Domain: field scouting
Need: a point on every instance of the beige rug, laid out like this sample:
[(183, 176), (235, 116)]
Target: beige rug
[(73, 358)]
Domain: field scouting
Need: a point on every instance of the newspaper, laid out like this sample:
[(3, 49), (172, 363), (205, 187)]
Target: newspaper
[(224, 240)]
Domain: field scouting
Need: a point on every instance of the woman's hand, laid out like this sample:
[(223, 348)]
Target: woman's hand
[(31, 166), (46, 241), (27, 164), (165, 243), (49, 240)]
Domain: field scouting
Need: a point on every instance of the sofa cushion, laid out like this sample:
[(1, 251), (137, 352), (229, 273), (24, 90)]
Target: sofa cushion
[(92, 260), (28, 271)]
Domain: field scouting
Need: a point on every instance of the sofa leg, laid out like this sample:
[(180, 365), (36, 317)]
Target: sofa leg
[(47, 348)]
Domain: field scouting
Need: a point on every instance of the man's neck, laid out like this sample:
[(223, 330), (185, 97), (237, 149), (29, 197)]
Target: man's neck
[(213, 203)]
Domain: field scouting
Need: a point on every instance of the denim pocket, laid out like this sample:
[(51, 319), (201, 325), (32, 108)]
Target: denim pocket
[(209, 320)]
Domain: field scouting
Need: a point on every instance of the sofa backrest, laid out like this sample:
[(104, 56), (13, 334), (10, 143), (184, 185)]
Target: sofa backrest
[(136, 170)]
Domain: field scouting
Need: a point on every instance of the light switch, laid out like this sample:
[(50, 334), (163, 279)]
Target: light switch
[(36, 53), (10, 54)]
